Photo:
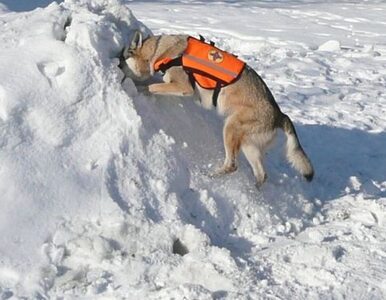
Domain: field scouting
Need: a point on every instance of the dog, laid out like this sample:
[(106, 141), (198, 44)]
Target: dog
[(251, 113)]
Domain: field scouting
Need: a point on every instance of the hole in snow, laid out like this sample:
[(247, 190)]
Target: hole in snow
[(68, 22), (219, 295), (66, 26), (339, 253), (179, 248), (123, 65), (6, 294)]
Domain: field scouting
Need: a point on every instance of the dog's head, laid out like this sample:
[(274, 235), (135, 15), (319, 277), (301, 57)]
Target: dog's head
[(138, 57)]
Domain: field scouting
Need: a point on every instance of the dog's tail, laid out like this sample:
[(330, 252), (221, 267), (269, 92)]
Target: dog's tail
[(295, 153)]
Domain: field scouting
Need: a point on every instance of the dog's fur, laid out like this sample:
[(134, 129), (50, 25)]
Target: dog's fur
[(252, 115)]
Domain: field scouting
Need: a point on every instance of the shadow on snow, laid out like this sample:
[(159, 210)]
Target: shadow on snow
[(337, 154)]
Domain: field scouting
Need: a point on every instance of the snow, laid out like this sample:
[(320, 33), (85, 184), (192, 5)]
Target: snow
[(104, 192), (330, 46)]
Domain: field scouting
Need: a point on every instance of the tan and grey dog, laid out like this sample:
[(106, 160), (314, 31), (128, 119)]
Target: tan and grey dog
[(251, 114)]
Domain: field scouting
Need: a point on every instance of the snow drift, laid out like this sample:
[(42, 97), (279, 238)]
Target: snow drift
[(103, 189), (89, 182)]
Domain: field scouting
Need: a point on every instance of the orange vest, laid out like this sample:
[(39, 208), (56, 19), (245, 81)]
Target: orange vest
[(210, 67)]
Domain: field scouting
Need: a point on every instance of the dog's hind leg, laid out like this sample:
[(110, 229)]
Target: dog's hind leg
[(232, 135), (255, 156)]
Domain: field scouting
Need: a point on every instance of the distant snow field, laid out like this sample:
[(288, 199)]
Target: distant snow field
[(103, 189)]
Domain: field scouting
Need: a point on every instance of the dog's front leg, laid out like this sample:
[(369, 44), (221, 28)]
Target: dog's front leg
[(172, 88), (176, 82)]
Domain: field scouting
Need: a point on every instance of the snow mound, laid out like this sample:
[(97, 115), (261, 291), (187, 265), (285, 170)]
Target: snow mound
[(91, 185), (330, 46)]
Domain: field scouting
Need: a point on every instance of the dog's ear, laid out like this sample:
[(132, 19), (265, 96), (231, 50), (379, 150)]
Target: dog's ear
[(136, 43), (137, 40)]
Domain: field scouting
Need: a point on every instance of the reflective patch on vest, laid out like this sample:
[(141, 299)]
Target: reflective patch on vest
[(201, 63), (215, 56)]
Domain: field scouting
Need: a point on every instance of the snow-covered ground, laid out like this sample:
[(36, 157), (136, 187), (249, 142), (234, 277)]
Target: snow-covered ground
[(103, 191)]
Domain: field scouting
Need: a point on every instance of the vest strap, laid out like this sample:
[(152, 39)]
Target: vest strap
[(176, 62), (216, 92), (192, 80)]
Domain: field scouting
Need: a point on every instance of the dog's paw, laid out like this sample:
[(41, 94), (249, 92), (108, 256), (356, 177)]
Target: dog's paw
[(144, 89), (153, 88), (223, 171), (260, 182)]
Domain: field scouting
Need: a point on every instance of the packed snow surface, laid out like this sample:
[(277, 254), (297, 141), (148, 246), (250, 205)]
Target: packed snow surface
[(104, 192)]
